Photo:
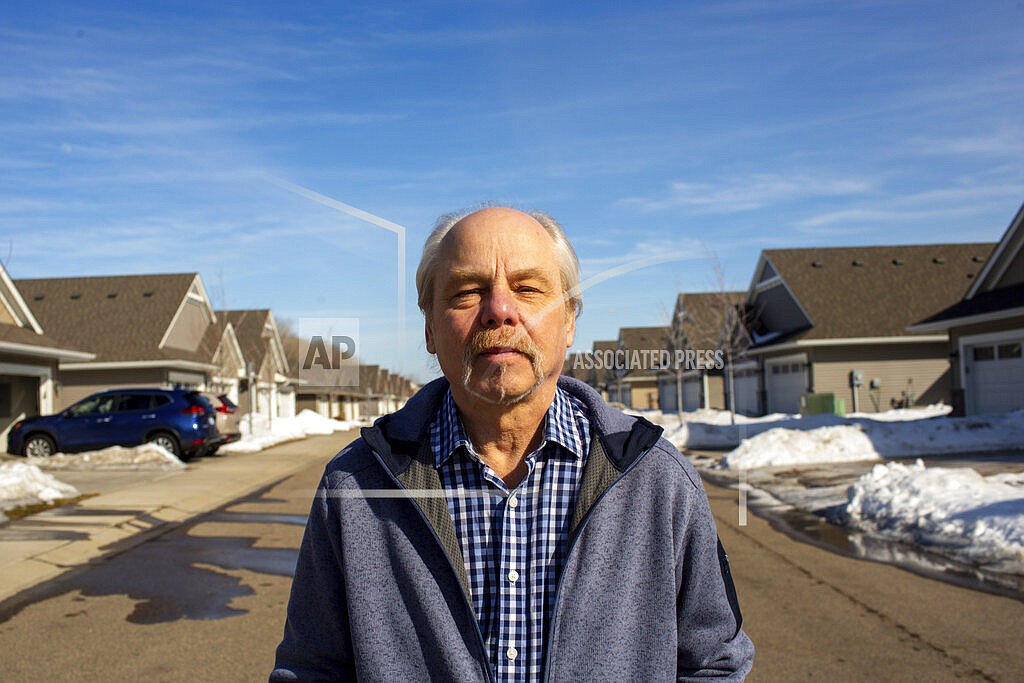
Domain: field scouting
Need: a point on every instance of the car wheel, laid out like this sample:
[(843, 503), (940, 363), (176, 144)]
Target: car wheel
[(167, 442), (39, 446)]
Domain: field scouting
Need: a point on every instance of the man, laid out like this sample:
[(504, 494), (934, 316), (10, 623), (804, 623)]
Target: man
[(506, 524)]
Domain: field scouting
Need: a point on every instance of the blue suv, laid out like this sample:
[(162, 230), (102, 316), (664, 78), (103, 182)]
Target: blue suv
[(181, 421)]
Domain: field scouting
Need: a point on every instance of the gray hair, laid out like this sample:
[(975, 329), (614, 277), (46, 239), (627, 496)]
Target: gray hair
[(568, 264)]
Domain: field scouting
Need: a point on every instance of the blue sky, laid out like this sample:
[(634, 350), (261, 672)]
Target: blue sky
[(665, 135)]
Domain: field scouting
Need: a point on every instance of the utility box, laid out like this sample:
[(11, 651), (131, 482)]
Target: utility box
[(821, 404)]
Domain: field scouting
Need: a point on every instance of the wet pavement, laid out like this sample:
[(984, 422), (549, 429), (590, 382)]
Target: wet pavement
[(203, 599)]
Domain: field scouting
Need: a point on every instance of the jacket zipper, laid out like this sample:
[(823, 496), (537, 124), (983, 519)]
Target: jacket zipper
[(465, 600), (572, 546)]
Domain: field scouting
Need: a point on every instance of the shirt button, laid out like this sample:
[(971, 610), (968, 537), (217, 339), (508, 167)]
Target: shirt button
[(512, 653), (513, 576), (513, 502)]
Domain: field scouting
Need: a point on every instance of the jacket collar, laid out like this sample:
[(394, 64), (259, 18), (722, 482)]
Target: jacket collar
[(403, 435)]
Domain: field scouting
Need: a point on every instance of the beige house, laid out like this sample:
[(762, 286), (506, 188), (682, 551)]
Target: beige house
[(834, 320), (143, 330), (266, 387), (28, 361), (986, 331), (700, 325), (634, 377)]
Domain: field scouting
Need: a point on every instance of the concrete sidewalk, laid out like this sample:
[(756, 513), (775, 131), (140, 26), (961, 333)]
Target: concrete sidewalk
[(43, 546)]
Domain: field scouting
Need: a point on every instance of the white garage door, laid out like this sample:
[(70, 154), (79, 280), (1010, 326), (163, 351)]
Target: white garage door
[(786, 381), (691, 393), (995, 381), (745, 382)]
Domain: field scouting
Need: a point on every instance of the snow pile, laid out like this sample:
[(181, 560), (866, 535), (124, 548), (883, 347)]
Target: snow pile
[(979, 519), (23, 484), (266, 432), (714, 429), (866, 439), (147, 456)]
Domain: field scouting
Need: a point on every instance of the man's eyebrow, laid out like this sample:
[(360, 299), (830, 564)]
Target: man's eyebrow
[(457, 276)]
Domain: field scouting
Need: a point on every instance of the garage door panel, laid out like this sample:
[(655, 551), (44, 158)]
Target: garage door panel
[(995, 381)]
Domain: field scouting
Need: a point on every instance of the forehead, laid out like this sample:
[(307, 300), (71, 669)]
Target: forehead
[(498, 237)]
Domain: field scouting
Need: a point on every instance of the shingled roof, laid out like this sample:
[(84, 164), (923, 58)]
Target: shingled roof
[(120, 318), (641, 339), (996, 293), (867, 292), (704, 316)]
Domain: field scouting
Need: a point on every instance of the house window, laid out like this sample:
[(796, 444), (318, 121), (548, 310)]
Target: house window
[(984, 353), (1009, 350)]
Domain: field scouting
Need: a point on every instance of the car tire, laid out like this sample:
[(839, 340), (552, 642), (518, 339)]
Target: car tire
[(168, 442), (39, 446)]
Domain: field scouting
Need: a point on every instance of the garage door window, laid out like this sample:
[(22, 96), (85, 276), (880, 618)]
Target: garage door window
[(1009, 350), (982, 353)]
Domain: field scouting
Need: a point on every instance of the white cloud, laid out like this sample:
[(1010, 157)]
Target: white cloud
[(746, 193)]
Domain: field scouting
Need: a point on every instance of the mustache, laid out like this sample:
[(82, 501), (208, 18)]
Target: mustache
[(517, 340)]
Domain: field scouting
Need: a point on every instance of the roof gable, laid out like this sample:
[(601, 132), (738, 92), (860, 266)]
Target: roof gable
[(119, 318), (1005, 267), (258, 338), (859, 292), (13, 309), (700, 319)]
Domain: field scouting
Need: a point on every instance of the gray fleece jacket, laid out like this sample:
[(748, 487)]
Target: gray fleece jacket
[(380, 590)]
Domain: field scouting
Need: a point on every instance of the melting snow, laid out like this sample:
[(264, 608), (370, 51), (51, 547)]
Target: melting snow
[(715, 429), (266, 432), (148, 456), (871, 439), (24, 484), (978, 519)]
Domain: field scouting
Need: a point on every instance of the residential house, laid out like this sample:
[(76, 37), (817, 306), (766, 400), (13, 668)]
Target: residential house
[(637, 358), (266, 387), (601, 375), (834, 320), (700, 326), (144, 330), (576, 365), (986, 331), (28, 361)]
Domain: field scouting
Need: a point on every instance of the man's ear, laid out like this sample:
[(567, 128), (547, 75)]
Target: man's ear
[(570, 327), (428, 334)]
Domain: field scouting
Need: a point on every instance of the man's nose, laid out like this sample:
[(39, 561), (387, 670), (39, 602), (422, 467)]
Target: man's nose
[(500, 308)]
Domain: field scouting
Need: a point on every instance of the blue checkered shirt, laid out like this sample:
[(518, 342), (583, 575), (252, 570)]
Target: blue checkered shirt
[(514, 542)]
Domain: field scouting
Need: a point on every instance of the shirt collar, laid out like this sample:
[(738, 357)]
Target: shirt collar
[(560, 427)]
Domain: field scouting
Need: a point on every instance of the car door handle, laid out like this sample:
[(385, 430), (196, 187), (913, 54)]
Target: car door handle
[(149, 416), (104, 419)]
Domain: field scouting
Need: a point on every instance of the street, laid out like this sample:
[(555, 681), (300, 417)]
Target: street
[(206, 601)]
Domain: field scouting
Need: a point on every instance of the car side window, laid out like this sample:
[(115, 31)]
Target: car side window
[(97, 405), (130, 402), (160, 400)]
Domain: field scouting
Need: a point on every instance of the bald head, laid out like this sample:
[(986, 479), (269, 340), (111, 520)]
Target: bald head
[(450, 231)]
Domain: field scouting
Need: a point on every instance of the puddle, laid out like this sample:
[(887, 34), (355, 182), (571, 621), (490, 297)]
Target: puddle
[(257, 518), (817, 530), (175, 576)]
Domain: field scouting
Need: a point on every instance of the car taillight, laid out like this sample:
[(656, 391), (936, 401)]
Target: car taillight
[(224, 409), (194, 410)]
